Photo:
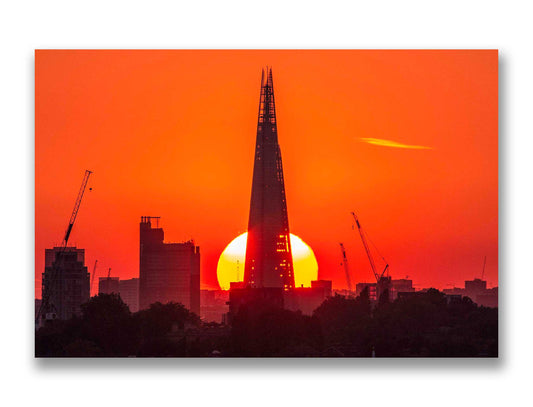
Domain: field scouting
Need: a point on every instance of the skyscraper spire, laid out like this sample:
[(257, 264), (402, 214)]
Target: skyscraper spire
[(268, 251)]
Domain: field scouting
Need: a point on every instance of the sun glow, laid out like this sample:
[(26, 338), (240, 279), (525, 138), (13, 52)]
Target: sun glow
[(230, 266)]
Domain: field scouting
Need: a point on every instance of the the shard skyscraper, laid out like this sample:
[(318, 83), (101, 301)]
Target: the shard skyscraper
[(268, 251)]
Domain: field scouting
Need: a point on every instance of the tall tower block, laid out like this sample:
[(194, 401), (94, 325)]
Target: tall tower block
[(268, 252)]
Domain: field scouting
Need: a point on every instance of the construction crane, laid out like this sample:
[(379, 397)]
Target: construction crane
[(483, 272), (76, 206), (45, 304), (346, 267), (369, 254), (94, 274), (109, 274)]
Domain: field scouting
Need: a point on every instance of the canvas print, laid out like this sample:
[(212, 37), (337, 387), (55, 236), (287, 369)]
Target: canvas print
[(266, 203)]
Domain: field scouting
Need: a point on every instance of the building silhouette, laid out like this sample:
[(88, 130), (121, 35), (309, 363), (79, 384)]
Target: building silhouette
[(127, 289), (488, 298), (66, 281), (167, 271), (129, 292), (371, 287), (401, 285), (307, 299), (475, 287), (214, 305), (268, 269), (394, 288), (38, 303), (477, 291), (268, 261), (108, 285)]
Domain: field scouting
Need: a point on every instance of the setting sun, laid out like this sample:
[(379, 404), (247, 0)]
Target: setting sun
[(230, 266)]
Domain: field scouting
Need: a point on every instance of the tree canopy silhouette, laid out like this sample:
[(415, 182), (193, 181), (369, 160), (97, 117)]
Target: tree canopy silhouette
[(420, 324)]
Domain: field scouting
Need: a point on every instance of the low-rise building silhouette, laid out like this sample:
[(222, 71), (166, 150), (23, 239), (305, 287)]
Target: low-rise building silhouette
[(477, 291), (371, 287), (307, 299), (108, 285), (129, 292), (214, 305), (402, 285)]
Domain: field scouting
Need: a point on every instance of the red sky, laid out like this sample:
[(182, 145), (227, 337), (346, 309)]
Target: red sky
[(172, 134)]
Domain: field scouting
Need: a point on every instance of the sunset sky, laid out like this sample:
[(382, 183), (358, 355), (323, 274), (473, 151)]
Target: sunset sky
[(406, 139)]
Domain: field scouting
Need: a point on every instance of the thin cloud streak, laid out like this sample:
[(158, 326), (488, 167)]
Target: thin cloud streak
[(394, 144)]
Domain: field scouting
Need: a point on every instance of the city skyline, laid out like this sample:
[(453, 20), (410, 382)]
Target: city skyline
[(172, 133)]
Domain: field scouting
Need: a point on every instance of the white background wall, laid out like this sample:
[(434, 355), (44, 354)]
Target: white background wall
[(26, 25)]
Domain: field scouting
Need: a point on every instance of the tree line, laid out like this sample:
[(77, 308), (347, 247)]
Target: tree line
[(421, 325)]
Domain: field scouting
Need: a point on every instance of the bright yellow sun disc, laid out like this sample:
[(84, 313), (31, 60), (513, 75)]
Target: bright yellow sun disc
[(230, 266)]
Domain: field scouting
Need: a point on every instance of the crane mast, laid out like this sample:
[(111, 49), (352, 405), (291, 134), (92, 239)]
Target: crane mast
[(45, 304), (346, 267)]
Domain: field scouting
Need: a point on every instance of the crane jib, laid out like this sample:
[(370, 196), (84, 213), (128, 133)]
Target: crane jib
[(67, 234)]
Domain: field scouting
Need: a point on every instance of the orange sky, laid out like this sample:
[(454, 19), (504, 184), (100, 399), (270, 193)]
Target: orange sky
[(172, 134)]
